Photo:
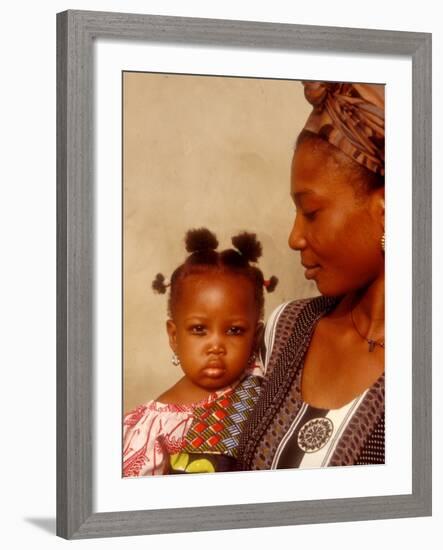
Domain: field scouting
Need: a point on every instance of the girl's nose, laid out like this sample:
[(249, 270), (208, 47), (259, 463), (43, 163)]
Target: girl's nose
[(216, 349), (216, 345), (296, 238)]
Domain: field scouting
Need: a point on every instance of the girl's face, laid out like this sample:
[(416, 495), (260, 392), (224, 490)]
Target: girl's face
[(214, 328), (337, 229)]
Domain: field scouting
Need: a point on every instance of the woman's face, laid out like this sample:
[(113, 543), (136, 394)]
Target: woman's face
[(338, 225)]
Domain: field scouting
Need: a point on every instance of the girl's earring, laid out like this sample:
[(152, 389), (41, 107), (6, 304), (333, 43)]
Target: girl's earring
[(383, 242), (252, 359), (175, 360)]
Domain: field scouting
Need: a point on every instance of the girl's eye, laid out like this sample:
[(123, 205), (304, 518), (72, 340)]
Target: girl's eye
[(236, 331), (198, 329)]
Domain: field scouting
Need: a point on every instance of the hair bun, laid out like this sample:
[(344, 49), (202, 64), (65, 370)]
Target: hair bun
[(317, 92), (158, 284), (197, 240), (271, 283), (248, 246)]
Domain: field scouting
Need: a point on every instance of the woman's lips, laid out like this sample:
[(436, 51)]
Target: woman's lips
[(311, 271)]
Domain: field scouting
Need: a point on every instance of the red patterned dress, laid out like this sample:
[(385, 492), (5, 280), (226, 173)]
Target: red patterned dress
[(155, 431)]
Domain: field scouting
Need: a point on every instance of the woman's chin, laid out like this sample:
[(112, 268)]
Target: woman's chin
[(328, 290), (327, 293)]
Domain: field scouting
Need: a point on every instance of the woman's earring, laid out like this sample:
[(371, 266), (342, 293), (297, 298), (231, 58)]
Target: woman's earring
[(252, 359), (383, 242), (175, 360)]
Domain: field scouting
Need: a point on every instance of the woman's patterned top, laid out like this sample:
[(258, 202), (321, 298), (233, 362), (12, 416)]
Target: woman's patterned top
[(280, 427)]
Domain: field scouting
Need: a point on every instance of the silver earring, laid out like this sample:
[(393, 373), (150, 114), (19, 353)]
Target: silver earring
[(175, 360), (383, 242), (251, 359)]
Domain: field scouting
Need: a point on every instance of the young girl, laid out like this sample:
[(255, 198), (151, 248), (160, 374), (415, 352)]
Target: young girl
[(215, 308)]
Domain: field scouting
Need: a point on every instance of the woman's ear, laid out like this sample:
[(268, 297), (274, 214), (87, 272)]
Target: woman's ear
[(379, 198), (382, 207), (172, 334)]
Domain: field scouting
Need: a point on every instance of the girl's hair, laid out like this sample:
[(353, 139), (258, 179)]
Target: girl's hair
[(204, 258), (362, 178)]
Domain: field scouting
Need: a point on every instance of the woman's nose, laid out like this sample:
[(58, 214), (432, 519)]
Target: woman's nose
[(296, 238)]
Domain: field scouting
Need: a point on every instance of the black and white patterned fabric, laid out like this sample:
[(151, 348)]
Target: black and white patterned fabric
[(285, 432)]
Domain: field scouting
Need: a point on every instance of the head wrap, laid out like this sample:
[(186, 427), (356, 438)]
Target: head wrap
[(351, 117)]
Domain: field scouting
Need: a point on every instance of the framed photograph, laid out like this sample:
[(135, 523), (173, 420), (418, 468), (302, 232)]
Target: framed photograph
[(167, 124)]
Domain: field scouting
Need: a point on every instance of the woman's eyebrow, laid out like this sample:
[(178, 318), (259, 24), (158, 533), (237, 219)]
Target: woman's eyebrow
[(300, 194)]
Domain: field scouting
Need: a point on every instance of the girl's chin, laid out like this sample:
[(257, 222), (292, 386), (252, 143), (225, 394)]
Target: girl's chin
[(215, 388), (213, 384)]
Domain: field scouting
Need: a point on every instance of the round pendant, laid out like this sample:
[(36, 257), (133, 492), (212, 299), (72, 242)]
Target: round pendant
[(315, 434)]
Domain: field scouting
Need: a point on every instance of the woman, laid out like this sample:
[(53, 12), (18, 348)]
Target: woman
[(323, 400)]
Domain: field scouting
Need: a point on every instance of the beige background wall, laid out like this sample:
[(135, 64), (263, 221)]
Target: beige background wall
[(201, 151)]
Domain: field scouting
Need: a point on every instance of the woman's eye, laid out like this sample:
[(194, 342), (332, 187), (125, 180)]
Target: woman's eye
[(310, 215), (236, 331)]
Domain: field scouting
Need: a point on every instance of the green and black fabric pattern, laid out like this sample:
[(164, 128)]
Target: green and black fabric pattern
[(201, 463)]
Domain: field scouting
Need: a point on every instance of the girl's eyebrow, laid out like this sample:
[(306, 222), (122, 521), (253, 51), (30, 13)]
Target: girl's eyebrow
[(196, 318), (201, 318)]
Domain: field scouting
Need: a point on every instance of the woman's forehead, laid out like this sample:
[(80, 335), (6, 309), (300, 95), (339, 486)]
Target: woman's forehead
[(316, 172), (311, 157)]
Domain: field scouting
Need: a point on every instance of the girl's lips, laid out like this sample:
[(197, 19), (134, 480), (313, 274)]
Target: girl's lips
[(214, 371)]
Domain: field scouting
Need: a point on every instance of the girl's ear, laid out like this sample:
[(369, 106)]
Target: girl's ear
[(172, 333)]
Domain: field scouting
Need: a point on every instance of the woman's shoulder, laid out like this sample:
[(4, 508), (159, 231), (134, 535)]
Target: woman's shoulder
[(294, 315), (316, 302), (287, 313)]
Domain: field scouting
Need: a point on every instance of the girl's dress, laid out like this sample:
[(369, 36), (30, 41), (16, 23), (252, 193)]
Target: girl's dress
[(160, 438)]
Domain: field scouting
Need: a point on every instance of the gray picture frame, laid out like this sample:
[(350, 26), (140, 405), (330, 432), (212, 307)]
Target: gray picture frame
[(76, 32)]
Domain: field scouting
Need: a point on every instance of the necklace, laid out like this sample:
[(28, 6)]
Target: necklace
[(372, 343)]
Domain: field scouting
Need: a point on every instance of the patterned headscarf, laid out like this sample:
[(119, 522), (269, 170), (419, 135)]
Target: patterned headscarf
[(351, 117)]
